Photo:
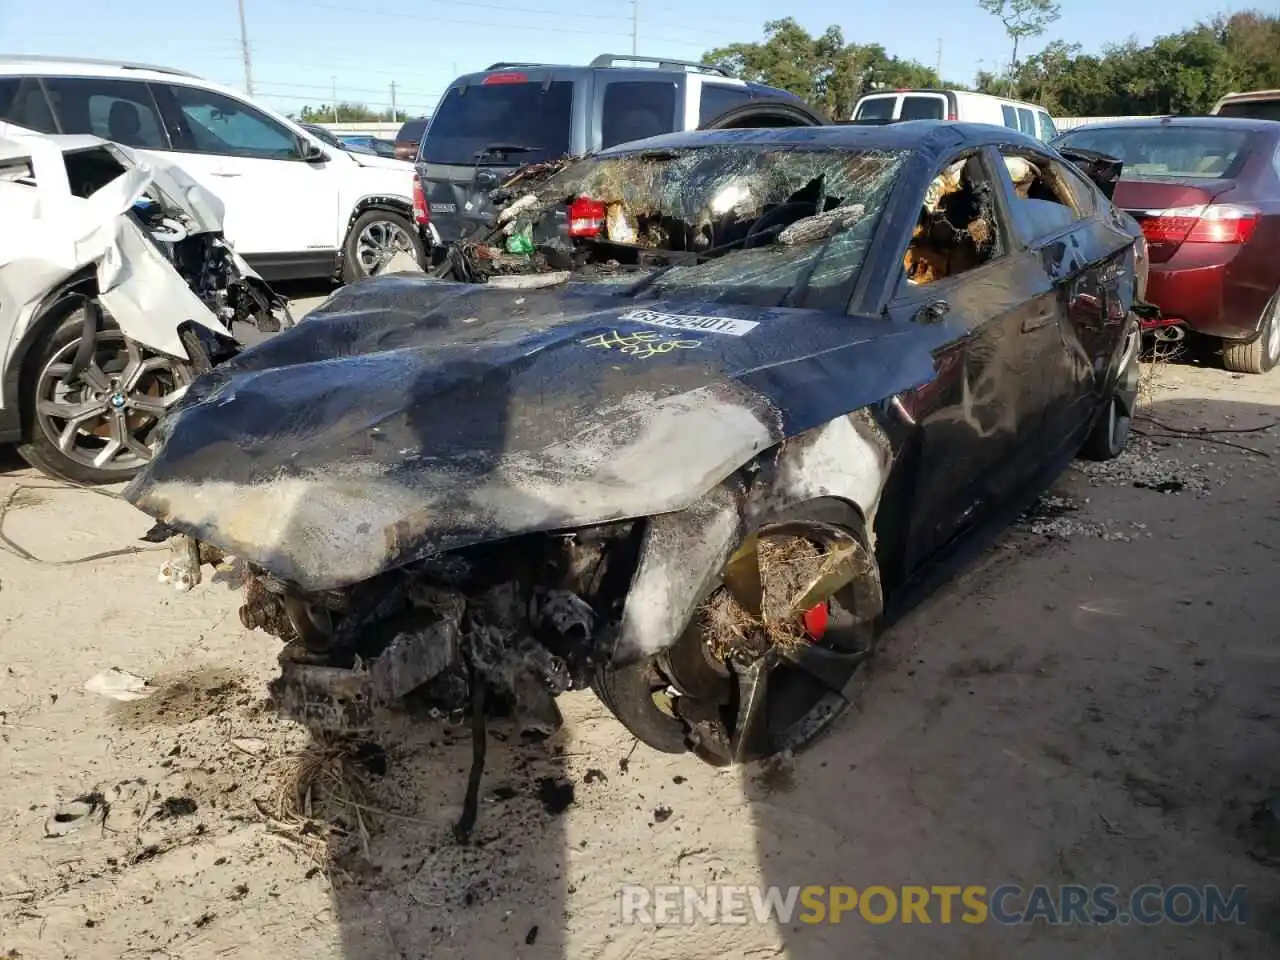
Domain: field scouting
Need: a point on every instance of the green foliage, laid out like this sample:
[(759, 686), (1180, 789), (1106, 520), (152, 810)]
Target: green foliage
[(349, 113), (1178, 73), (825, 70)]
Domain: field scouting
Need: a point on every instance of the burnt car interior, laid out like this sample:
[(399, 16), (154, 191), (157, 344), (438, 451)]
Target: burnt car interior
[(956, 230), (639, 214)]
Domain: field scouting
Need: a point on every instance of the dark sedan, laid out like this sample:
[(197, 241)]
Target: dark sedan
[(708, 406), (1206, 191)]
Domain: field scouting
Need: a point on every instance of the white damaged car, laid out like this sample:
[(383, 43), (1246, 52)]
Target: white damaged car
[(117, 290)]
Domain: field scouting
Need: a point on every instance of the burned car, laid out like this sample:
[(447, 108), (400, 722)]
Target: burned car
[(709, 406), (116, 290)]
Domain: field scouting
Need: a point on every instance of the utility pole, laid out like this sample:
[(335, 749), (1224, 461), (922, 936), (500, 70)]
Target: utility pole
[(635, 27), (393, 102), (938, 70), (334, 108), (244, 50)]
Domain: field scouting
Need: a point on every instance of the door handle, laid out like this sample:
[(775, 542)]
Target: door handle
[(1040, 320)]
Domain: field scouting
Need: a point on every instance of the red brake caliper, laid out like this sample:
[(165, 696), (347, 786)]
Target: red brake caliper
[(815, 621)]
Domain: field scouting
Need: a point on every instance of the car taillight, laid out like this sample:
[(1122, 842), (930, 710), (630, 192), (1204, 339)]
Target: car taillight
[(493, 78), (420, 212), (1211, 223), (586, 217), (951, 115)]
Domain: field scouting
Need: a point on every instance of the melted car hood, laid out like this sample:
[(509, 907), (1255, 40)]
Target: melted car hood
[(407, 416)]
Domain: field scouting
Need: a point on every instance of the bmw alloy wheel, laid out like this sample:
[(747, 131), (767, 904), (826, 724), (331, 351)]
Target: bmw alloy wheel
[(102, 417)]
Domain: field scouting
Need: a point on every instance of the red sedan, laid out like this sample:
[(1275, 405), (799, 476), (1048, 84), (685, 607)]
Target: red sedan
[(1206, 191)]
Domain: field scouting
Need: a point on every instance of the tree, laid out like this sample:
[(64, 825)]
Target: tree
[(1021, 19), (825, 70), (1178, 73), (1048, 71)]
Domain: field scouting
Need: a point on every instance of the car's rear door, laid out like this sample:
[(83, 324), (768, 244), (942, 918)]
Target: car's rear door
[(1087, 260), (485, 127)]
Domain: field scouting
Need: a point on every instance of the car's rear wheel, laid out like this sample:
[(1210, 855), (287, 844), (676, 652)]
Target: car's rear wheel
[(1260, 354), (1110, 433), (746, 679), (374, 239), (90, 407)]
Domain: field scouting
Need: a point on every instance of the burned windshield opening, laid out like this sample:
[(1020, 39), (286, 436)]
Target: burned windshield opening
[(731, 223)]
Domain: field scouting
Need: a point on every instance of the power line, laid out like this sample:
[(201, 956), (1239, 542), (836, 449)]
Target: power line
[(331, 88)]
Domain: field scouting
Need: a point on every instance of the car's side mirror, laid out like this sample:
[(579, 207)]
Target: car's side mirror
[(311, 153)]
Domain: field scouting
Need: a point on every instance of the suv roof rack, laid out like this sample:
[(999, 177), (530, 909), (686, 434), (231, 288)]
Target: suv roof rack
[(125, 64), (663, 63), (504, 65)]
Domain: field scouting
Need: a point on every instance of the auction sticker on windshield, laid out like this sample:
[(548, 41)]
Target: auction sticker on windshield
[(675, 321)]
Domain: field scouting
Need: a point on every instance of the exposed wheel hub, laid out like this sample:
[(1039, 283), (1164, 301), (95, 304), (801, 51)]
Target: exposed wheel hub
[(765, 662)]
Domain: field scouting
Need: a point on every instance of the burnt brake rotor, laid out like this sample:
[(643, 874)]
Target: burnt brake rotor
[(764, 664)]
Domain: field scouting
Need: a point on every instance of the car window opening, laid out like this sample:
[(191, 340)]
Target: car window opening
[(1041, 194), (957, 228)]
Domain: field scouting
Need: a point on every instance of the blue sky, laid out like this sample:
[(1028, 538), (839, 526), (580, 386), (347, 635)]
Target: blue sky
[(304, 49)]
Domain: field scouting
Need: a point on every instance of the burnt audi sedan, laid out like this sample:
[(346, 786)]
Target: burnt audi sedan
[(682, 427)]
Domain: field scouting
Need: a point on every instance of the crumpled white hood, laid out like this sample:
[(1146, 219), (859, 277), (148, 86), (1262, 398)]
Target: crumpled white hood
[(48, 233)]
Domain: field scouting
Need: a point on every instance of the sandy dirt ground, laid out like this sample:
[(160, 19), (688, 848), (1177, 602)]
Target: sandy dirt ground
[(1096, 699)]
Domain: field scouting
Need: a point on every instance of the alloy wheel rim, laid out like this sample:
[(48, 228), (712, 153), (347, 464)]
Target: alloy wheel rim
[(754, 726), (102, 417), (378, 242)]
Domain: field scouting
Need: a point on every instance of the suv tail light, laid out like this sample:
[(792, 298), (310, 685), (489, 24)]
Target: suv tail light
[(586, 217), (420, 212), (1212, 223), (505, 78)]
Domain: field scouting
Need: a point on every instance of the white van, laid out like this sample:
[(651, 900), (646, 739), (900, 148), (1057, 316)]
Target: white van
[(897, 105)]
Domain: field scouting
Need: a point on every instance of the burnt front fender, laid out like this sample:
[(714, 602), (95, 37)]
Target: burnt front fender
[(847, 459)]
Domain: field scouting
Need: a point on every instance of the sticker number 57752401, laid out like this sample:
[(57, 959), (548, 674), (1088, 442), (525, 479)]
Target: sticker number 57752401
[(675, 321)]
